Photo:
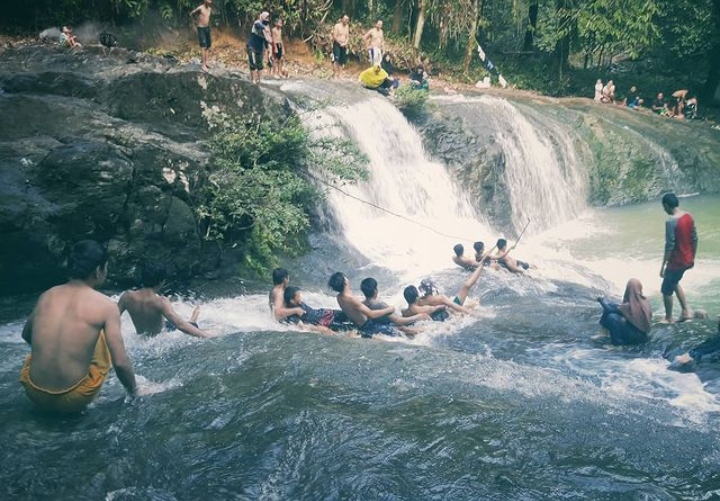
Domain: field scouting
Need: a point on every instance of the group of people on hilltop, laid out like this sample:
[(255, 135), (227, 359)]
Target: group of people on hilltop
[(264, 43), (682, 104)]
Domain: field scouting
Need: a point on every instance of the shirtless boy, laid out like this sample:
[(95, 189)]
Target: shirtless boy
[(74, 335), (375, 40), (151, 312), (202, 16), (369, 288), (341, 37), (281, 280), (508, 262), (356, 311), (436, 305), (322, 320), (461, 260), (278, 50)]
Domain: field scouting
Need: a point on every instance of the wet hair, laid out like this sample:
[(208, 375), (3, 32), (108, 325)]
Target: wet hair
[(501, 243), (154, 274), (279, 275), (411, 294), (459, 250), (337, 281), (368, 287), (670, 200), (479, 246), (289, 295), (86, 256)]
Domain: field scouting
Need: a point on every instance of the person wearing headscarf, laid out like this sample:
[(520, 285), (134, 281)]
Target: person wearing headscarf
[(629, 322)]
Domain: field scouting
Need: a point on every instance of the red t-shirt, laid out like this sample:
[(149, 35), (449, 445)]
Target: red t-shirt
[(681, 238)]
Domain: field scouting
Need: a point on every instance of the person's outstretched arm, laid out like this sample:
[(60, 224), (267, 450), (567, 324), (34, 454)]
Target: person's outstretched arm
[(183, 325), (116, 346)]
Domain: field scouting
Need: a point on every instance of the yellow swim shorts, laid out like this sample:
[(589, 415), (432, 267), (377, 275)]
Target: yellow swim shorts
[(73, 399)]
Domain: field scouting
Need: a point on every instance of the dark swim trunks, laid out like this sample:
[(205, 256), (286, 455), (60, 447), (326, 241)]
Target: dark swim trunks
[(339, 53), (255, 59), (670, 281), (278, 54), (334, 320), (520, 264), (440, 315), (204, 37), (170, 327), (371, 327)]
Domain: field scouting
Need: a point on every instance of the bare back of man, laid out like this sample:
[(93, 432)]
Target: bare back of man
[(149, 310), (64, 330)]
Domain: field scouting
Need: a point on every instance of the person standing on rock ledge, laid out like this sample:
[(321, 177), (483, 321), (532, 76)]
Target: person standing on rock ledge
[(259, 39), (74, 334), (203, 13)]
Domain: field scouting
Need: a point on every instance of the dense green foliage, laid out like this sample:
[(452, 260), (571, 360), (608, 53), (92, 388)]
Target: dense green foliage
[(259, 193)]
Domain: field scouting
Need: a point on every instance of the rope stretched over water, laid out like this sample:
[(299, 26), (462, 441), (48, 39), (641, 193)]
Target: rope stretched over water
[(388, 211)]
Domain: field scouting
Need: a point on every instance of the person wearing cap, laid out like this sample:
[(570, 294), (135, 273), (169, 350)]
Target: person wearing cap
[(430, 297), (260, 39), (375, 38)]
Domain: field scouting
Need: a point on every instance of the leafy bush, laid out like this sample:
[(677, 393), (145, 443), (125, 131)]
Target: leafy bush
[(411, 100), (258, 194)]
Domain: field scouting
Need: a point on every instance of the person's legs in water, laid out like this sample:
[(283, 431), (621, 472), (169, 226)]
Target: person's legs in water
[(680, 293), (671, 285), (469, 284)]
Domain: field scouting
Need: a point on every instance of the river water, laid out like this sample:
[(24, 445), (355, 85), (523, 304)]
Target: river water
[(515, 402)]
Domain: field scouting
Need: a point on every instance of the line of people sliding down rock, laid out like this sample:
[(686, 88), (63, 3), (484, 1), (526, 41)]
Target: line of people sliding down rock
[(74, 331)]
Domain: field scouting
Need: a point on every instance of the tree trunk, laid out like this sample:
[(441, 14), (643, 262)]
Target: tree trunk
[(398, 16), (420, 24), (529, 33), (713, 79), (472, 33)]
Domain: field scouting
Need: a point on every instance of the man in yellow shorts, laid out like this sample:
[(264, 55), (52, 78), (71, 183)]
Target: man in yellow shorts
[(74, 335)]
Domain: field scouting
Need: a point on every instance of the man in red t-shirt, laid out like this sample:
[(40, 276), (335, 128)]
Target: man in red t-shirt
[(680, 247)]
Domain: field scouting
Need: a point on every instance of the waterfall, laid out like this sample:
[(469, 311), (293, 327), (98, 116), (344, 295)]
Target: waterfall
[(430, 212)]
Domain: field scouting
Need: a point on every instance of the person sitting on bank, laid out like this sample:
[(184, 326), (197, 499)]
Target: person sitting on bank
[(435, 304), (659, 105), (376, 78), (74, 334), (629, 322), (67, 39), (365, 318), (419, 79), (632, 100), (152, 313), (369, 288), (461, 260), (508, 262), (281, 280), (323, 320), (608, 93)]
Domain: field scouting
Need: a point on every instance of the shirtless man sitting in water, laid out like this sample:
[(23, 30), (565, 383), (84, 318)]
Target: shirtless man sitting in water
[(151, 312), (74, 334), (461, 260), (506, 261), (365, 318), (280, 310)]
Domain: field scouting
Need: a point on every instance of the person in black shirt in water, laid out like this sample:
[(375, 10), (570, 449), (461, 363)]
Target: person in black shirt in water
[(369, 288), (323, 320)]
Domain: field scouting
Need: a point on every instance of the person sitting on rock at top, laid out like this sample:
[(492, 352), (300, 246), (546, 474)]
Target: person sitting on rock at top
[(508, 262), (67, 39), (691, 107), (632, 100), (419, 79), (608, 93), (376, 78), (598, 90), (152, 313), (387, 64), (629, 322)]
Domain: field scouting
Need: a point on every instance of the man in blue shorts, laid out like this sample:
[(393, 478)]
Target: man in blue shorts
[(365, 318), (259, 40)]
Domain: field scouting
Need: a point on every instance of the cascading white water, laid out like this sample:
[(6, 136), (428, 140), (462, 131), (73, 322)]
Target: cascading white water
[(402, 180)]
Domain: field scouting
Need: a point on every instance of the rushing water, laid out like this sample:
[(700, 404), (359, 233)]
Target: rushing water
[(515, 402)]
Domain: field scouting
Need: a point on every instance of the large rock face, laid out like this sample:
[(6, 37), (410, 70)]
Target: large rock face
[(93, 148)]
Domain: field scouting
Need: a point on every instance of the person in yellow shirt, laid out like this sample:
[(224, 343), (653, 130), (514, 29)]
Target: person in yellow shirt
[(376, 78)]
